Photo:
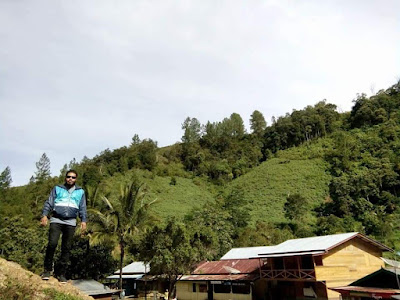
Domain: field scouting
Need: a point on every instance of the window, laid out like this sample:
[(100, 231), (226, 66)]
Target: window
[(202, 288), (194, 288), (309, 291), (241, 288), (222, 288)]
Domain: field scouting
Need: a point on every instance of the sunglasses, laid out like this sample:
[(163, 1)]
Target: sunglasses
[(73, 177)]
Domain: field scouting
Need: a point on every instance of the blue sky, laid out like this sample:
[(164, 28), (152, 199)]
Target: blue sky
[(77, 77)]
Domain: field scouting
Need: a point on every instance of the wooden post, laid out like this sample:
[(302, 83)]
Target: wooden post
[(298, 265)]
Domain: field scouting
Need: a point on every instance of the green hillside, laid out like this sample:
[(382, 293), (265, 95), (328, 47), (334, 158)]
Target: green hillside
[(297, 170), (171, 199), (267, 186)]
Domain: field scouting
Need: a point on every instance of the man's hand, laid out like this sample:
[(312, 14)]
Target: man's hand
[(43, 221), (83, 226)]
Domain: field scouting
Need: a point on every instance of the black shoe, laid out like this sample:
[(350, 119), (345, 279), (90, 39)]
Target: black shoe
[(62, 279), (46, 275)]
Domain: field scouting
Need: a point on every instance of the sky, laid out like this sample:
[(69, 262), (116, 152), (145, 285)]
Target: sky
[(78, 77)]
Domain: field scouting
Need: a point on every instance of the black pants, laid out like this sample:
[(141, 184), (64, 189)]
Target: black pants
[(54, 235)]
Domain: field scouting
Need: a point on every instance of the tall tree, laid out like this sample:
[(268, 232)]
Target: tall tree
[(257, 123), (72, 164), (174, 250), (192, 130), (296, 207), (5, 178), (147, 154), (43, 168), (122, 219), (238, 129), (63, 171), (135, 139)]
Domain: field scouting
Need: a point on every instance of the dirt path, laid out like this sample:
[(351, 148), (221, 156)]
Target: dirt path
[(13, 271)]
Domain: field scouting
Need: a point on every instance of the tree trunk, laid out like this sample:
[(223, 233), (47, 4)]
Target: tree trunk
[(171, 291), (121, 260)]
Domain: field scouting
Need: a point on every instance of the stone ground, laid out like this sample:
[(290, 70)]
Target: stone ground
[(13, 271)]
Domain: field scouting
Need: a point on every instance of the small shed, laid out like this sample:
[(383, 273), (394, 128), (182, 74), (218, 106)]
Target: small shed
[(133, 278)]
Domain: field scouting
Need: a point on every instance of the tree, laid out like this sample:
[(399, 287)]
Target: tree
[(257, 123), (296, 207), (91, 262), (174, 250), (212, 218), (63, 171), (22, 243), (72, 164), (122, 219), (135, 140), (147, 154), (237, 125), (192, 130), (43, 169), (5, 179), (264, 234), (236, 205)]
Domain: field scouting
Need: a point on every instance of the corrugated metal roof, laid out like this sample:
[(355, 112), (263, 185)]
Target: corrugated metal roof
[(294, 254), (362, 289), (316, 243), (92, 287), (137, 267), (133, 276), (302, 246), (246, 253), (226, 277), (237, 266)]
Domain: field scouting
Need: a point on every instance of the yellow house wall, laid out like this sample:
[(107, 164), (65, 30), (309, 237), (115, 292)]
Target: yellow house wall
[(184, 291), (347, 263), (232, 297)]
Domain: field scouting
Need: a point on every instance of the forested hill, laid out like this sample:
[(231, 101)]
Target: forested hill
[(311, 172)]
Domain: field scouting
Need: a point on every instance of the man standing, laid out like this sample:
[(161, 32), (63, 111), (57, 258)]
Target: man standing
[(65, 203)]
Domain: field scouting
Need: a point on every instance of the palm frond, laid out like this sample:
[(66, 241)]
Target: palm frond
[(107, 202)]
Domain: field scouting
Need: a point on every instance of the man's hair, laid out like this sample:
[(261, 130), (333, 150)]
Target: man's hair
[(71, 171)]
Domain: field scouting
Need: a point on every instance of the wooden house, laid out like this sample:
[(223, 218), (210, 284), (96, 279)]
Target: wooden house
[(220, 280), (382, 284), (306, 268)]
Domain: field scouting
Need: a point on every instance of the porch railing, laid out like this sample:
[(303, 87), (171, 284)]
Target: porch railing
[(305, 274)]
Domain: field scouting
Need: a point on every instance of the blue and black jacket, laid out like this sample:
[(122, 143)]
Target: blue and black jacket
[(63, 205)]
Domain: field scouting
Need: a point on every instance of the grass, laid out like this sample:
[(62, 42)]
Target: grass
[(297, 170), (56, 295), (14, 290), (172, 199), (178, 199), (267, 186)]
